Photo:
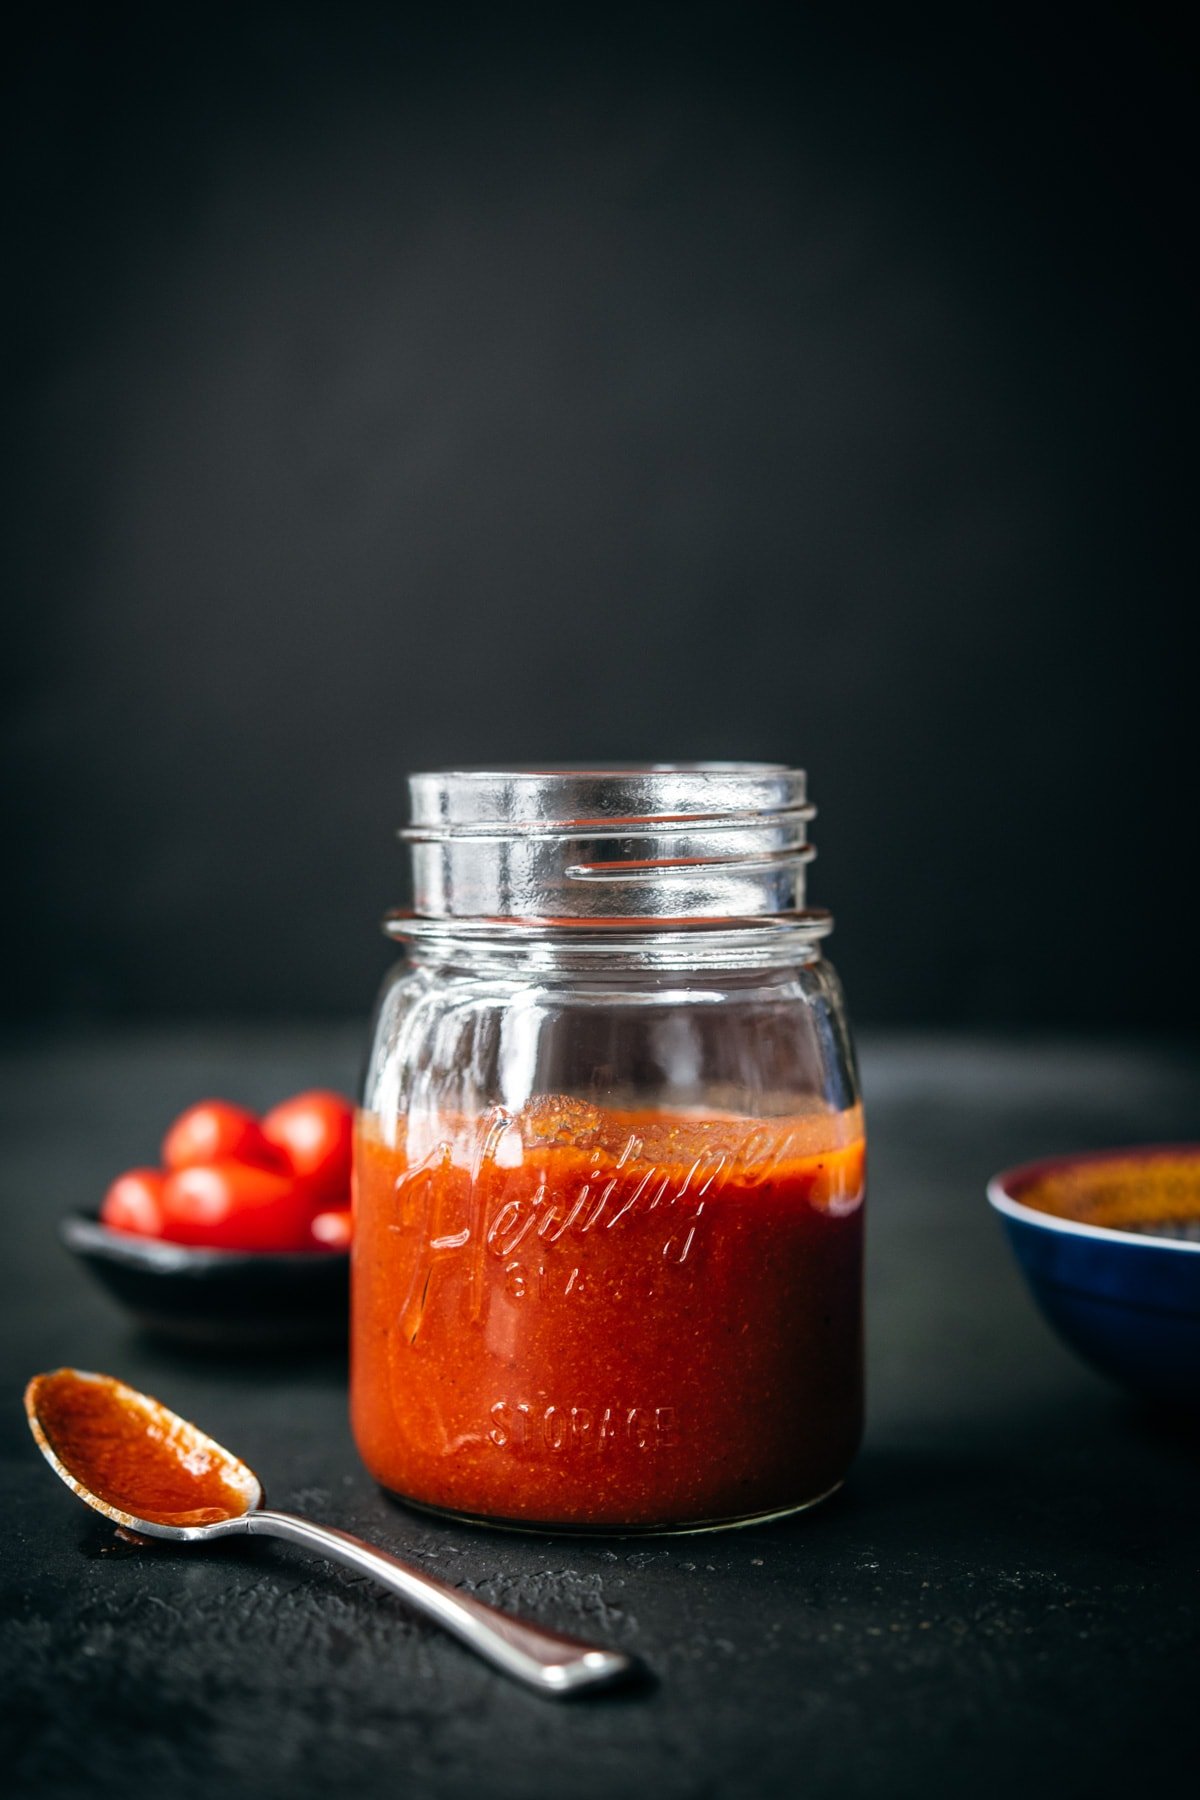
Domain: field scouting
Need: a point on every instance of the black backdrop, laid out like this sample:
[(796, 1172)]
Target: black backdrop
[(393, 388)]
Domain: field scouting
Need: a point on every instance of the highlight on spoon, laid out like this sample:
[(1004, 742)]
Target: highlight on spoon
[(133, 1459)]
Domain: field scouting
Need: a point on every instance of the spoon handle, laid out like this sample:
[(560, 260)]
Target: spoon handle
[(545, 1660)]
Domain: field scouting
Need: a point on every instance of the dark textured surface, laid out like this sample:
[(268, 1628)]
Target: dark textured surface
[(1005, 1599)]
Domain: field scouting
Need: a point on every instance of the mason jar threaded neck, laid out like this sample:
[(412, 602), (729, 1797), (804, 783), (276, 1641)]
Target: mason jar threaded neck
[(654, 847)]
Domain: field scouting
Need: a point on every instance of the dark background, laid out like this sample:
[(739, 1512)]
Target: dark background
[(393, 388)]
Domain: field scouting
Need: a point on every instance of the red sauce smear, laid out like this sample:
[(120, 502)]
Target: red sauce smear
[(133, 1454), (589, 1318)]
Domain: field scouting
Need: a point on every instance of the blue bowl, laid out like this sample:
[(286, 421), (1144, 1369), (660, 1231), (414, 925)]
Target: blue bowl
[(1110, 1246)]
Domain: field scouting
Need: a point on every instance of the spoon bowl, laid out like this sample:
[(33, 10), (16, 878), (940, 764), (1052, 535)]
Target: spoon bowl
[(145, 1468), (114, 1446)]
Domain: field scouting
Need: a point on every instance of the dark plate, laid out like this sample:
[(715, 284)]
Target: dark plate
[(222, 1298)]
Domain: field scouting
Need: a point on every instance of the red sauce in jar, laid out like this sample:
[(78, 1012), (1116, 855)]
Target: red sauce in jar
[(601, 1319), (132, 1454)]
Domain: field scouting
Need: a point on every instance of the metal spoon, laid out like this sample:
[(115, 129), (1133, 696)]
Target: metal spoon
[(547, 1661)]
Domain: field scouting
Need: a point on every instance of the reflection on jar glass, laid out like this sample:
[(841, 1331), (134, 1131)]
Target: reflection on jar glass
[(609, 1164)]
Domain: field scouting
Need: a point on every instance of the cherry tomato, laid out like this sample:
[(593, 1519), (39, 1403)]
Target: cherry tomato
[(214, 1131), (332, 1230), (134, 1203), (314, 1132), (236, 1206)]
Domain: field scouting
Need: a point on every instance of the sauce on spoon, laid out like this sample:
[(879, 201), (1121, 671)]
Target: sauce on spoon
[(129, 1457), (132, 1454)]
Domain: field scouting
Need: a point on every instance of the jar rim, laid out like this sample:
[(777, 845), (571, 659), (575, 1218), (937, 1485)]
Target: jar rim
[(648, 843)]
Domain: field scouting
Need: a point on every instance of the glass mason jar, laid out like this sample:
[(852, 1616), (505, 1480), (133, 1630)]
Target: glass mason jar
[(607, 1267)]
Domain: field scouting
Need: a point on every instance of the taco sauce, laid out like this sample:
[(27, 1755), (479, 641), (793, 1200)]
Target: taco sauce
[(597, 1319), (131, 1454)]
